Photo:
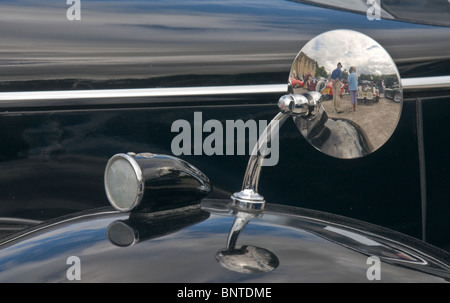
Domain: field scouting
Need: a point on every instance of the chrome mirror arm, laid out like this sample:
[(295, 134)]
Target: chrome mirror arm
[(241, 220), (248, 197), (245, 259), (299, 105)]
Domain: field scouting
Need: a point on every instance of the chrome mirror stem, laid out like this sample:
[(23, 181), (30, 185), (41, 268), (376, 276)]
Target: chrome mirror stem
[(299, 105), (245, 259), (248, 197), (241, 220)]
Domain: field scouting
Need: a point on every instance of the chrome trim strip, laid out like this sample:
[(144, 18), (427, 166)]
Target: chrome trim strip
[(424, 83), (144, 92)]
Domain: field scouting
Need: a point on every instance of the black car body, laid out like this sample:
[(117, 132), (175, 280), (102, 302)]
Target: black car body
[(76, 92)]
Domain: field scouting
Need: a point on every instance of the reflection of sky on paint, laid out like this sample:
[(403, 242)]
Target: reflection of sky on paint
[(187, 255), (35, 249), (146, 33), (43, 258), (365, 54), (138, 22), (178, 17), (40, 255)]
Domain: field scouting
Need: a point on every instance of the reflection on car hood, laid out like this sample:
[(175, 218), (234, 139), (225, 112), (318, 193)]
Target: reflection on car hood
[(181, 245)]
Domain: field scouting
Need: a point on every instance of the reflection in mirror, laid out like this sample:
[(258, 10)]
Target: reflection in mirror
[(245, 259), (360, 88)]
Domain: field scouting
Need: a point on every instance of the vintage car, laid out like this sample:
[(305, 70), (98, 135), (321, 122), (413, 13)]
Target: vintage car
[(393, 93), (153, 141), (306, 81), (327, 91), (296, 83), (367, 91)]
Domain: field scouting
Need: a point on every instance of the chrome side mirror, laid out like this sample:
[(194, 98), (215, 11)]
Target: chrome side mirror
[(340, 87)]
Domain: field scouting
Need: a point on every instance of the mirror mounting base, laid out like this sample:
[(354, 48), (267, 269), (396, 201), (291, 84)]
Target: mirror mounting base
[(247, 199)]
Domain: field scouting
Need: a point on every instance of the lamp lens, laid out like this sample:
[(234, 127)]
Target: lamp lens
[(122, 184)]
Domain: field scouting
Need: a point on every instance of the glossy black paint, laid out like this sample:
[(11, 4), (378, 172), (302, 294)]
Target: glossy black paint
[(186, 43), (53, 153), (180, 246)]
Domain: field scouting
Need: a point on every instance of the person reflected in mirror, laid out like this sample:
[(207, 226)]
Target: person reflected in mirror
[(380, 85), (353, 87), (336, 78)]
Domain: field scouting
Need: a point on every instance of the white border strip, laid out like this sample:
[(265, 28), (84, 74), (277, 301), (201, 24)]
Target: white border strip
[(144, 92), (407, 84), (426, 83)]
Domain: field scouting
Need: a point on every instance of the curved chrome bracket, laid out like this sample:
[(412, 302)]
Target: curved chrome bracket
[(245, 259), (290, 105)]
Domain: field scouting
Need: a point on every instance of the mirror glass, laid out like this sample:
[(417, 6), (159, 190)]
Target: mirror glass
[(361, 93)]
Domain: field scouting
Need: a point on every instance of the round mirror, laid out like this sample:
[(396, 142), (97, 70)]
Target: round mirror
[(360, 88)]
